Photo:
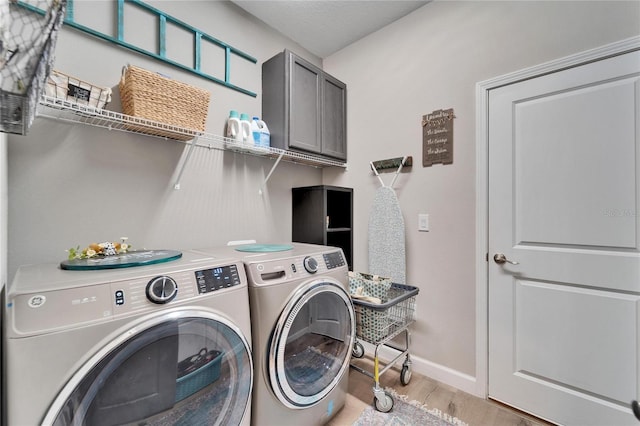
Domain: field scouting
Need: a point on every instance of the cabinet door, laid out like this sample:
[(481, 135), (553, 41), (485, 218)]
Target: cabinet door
[(334, 121), (304, 108)]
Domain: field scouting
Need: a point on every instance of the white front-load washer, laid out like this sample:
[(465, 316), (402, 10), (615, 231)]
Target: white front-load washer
[(167, 343), (303, 328)]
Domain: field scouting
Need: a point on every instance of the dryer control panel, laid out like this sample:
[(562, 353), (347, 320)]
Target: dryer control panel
[(334, 260), (316, 263), (271, 271)]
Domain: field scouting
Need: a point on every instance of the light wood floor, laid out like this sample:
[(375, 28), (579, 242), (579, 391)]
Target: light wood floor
[(468, 408)]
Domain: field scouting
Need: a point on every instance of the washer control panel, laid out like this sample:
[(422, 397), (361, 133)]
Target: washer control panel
[(40, 293), (213, 279)]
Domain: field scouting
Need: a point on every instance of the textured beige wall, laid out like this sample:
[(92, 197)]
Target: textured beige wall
[(429, 60)]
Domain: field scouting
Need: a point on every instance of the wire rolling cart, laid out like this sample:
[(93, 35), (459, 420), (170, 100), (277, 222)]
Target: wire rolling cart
[(378, 324)]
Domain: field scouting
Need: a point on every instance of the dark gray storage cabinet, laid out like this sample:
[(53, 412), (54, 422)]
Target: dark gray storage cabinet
[(324, 215), (304, 107)]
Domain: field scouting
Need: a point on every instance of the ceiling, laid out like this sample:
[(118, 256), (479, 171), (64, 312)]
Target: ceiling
[(325, 26)]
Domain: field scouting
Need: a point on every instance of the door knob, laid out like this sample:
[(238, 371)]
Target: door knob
[(500, 259)]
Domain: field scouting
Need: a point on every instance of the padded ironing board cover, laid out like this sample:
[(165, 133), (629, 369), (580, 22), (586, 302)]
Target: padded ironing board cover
[(386, 236)]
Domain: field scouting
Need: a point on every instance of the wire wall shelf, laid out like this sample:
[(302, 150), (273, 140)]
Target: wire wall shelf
[(71, 112)]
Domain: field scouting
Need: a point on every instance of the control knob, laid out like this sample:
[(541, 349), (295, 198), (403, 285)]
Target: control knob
[(310, 264), (162, 290)]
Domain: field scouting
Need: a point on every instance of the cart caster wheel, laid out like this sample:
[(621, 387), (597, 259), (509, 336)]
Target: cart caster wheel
[(384, 406), (405, 375), (358, 350)]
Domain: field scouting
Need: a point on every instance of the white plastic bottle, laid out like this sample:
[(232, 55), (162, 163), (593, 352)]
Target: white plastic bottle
[(260, 131), (245, 129), (233, 127), (255, 131), (265, 136)]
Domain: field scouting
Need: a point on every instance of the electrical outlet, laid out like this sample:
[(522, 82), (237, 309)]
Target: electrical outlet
[(423, 222)]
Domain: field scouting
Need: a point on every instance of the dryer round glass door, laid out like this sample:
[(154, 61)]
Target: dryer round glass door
[(311, 344), (181, 367)]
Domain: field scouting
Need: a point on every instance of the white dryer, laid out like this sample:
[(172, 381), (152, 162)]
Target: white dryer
[(303, 327), (167, 343)]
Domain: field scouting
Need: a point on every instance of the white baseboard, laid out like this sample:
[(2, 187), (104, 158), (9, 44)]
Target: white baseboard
[(433, 370)]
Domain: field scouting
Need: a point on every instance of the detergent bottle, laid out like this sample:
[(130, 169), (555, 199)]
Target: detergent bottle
[(255, 131), (261, 134), (245, 129), (233, 127), (265, 136)]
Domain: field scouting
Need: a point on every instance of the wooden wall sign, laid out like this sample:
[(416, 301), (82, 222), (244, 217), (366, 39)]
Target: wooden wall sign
[(437, 137)]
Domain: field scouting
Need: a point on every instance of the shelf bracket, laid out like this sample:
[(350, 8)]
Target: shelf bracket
[(192, 145), (264, 184)]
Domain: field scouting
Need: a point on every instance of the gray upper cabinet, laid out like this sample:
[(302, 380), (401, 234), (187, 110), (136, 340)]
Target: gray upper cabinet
[(304, 107)]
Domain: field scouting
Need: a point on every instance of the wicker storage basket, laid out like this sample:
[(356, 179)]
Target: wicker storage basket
[(66, 87), (180, 109)]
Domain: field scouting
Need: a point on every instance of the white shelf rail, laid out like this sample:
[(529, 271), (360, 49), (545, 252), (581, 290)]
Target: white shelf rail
[(66, 111)]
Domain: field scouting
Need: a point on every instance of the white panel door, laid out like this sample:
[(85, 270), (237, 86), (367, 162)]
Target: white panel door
[(564, 202)]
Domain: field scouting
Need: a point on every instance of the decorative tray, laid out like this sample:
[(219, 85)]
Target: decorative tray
[(122, 260)]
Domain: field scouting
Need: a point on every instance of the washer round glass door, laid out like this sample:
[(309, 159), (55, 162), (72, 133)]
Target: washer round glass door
[(182, 367), (311, 343)]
